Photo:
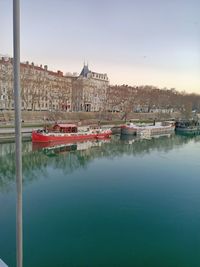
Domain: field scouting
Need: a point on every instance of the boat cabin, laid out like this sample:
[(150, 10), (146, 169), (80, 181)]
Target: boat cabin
[(65, 128), (187, 123)]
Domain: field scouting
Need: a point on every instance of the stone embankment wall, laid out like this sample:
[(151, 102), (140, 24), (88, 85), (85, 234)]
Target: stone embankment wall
[(7, 117)]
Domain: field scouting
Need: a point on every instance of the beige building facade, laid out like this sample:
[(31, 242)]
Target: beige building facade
[(41, 89), (45, 90), (89, 91)]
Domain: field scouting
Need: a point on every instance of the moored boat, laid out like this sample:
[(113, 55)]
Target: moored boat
[(116, 129), (68, 132), (187, 126), (129, 129), (150, 130)]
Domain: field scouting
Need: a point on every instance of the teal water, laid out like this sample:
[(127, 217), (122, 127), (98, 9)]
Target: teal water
[(117, 203)]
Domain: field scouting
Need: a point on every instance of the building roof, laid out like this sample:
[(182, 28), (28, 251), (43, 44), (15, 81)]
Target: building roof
[(63, 125), (85, 71), (27, 65)]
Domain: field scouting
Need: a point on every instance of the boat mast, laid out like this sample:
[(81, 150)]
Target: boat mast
[(18, 141)]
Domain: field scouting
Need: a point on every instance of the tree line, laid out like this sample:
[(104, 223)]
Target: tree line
[(147, 98)]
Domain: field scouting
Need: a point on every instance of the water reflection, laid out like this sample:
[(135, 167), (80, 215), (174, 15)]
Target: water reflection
[(37, 159)]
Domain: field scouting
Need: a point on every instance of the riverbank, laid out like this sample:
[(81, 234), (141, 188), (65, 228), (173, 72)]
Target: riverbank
[(45, 117)]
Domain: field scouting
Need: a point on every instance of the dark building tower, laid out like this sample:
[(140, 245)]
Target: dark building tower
[(89, 91)]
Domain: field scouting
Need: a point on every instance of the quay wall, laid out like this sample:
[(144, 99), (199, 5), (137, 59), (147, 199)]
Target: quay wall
[(7, 117)]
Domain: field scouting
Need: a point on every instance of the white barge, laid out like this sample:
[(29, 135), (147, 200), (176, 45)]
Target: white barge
[(157, 129)]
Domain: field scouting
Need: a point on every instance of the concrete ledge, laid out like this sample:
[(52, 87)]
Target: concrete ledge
[(8, 134), (2, 264), (47, 116)]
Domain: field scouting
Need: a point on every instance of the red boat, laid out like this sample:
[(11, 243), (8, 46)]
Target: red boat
[(68, 132)]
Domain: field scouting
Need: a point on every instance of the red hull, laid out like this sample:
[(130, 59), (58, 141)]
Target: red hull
[(53, 137)]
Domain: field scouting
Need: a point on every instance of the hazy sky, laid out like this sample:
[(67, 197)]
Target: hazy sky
[(136, 42)]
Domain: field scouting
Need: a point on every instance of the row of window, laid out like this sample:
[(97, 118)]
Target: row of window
[(3, 97), (100, 76)]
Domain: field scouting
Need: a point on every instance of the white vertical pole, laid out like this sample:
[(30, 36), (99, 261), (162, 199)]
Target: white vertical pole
[(18, 141)]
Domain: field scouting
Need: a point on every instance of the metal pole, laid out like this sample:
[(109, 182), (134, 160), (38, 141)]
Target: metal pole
[(18, 142)]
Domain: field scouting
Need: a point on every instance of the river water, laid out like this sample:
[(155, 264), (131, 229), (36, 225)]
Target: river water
[(107, 203)]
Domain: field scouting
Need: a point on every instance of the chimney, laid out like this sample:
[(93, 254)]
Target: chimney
[(41, 66), (32, 64), (45, 67), (60, 73), (27, 63)]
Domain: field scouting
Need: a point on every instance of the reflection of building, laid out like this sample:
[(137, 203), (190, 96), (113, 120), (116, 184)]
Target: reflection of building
[(90, 91), (89, 144), (36, 163), (9, 148)]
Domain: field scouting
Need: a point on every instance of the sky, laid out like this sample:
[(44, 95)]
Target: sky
[(136, 42)]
